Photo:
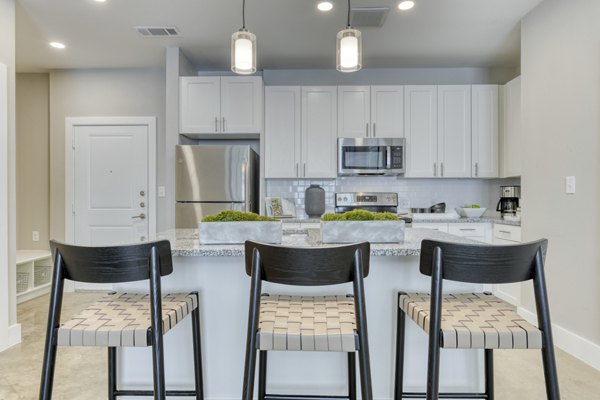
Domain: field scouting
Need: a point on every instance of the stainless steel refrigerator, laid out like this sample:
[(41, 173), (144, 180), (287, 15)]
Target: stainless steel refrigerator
[(210, 179)]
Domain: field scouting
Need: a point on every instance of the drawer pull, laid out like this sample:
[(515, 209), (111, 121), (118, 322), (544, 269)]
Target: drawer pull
[(507, 232), (467, 229)]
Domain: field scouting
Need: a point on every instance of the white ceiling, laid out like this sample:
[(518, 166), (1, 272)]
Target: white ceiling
[(290, 33)]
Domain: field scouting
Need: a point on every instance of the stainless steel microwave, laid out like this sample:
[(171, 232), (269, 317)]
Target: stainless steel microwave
[(371, 156)]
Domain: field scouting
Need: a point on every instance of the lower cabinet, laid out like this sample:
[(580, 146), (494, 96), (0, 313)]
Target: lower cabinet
[(34, 273), (507, 235), (432, 226), (482, 232)]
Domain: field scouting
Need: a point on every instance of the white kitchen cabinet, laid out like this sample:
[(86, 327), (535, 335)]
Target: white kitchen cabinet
[(420, 130), (300, 132), (433, 226), (354, 111), (371, 111), (387, 111), (319, 128), (511, 132), (484, 131), (481, 232), (454, 131), (227, 105), (282, 131), (507, 235)]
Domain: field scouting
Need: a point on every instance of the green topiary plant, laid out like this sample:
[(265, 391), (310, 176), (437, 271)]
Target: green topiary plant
[(236, 216), (360, 215)]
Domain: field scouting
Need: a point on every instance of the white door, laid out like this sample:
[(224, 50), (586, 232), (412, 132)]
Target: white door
[(319, 129), (200, 104), (454, 131), (354, 111), (110, 186), (387, 111), (484, 117), (420, 130), (241, 104), (282, 131)]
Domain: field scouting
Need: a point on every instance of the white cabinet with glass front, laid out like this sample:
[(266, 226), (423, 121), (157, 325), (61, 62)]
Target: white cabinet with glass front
[(300, 132)]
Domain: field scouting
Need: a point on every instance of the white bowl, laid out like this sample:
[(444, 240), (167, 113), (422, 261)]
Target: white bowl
[(470, 212)]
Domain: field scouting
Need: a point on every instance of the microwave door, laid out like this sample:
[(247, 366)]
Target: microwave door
[(388, 157)]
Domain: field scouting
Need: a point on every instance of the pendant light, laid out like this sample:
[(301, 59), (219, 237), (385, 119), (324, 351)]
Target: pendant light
[(243, 48), (349, 48)]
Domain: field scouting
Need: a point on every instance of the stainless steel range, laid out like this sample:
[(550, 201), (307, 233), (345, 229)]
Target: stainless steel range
[(370, 201)]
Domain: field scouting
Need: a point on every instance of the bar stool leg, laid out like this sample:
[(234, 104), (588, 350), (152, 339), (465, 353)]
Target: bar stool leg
[(48, 371), (550, 374), (262, 374), (400, 334), (352, 375), (197, 346), (112, 373), (158, 364), (489, 374)]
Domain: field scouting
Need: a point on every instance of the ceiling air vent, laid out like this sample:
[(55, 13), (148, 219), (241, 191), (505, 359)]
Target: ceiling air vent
[(157, 31), (368, 16)]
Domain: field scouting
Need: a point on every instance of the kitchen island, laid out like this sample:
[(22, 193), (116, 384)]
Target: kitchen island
[(217, 272)]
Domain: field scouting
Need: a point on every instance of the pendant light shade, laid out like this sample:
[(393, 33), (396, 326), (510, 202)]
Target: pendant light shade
[(243, 48), (349, 48), (243, 52)]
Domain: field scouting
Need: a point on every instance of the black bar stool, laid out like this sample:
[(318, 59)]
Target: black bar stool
[(476, 320), (120, 319), (300, 323)]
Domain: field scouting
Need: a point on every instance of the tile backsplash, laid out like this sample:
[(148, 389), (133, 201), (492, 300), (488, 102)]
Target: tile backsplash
[(411, 192)]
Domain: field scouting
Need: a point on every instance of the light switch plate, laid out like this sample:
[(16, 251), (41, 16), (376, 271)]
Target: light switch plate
[(161, 191), (570, 185)]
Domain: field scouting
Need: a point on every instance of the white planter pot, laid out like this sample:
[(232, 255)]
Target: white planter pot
[(239, 232), (360, 231)]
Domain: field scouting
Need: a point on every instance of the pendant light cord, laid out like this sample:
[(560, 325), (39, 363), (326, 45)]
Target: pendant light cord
[(244, 14), (348, 14)]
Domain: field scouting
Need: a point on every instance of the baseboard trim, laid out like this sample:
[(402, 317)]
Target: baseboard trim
[(14, 335), (577, 346)]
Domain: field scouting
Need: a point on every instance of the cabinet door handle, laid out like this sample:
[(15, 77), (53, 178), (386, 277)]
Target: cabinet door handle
[(297, 170), (216, 122), (374, 131), (466, 229), (304, 170), (441, 169), (476, 169), (434, 169), (224, 128), (367, 128)]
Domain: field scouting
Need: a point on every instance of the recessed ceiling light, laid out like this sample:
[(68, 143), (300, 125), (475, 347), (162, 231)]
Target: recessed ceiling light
[(57, 45), (324, 5), (406, 5), (100, 1)]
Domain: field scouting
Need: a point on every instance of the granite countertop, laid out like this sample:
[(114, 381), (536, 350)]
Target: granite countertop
[(463, 220), (185, 243)]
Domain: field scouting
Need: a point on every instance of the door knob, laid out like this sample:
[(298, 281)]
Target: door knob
[(141, 216)]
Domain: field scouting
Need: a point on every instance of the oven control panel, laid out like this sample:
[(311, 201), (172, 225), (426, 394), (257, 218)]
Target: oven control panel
[(366, 199)]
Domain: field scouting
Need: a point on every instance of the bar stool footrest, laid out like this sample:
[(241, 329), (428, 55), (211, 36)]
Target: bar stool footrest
[(301, 397), (422, 395), (149, 393)]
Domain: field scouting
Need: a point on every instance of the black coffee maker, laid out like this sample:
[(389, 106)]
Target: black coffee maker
[(509, 200)]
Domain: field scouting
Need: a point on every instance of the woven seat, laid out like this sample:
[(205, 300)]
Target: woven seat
[(314, 323), (474, 321), (123, 320)]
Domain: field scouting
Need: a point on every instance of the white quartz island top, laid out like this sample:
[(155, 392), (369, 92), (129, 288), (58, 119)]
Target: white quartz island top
[(185, 243)]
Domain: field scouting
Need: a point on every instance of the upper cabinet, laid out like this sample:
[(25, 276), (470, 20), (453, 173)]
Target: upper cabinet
[(227, 105), (300, 132), (454, 131), (370, 111), (420, 130), (511, 132), (484, 116)]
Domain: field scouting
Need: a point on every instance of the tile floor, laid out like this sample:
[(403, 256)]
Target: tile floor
[(81, 372)]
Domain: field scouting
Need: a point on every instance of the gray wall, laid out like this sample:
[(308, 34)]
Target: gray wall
[(390, 76), (33, 160), (108, 93), (8, 309), (560, 64)]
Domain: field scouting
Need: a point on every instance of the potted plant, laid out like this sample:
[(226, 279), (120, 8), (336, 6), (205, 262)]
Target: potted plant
[(361, 225), (232, 227)]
